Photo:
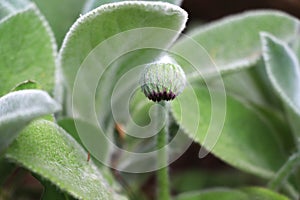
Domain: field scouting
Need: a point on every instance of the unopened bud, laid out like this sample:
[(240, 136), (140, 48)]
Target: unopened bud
[(162, 81)]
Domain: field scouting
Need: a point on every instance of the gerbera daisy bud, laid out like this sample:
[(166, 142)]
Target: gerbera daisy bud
[(162, 81)]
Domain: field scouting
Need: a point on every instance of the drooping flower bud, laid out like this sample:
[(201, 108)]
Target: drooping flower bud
[(162, 81)]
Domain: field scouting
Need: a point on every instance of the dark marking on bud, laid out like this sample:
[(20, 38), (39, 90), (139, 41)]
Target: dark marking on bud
[(162, 81)]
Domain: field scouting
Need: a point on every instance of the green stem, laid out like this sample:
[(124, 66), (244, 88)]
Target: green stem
[(289, 189), (162, 157), (284, 171)]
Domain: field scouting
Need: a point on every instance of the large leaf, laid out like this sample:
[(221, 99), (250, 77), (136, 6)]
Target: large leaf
[(91, 4), (251, 85), (115, 29), (230, 194), (233, 42), (91, 139), (27, 50), (283, 70), (88, 31), (247, 139), (50, 152), (60, 15), (17, 109)]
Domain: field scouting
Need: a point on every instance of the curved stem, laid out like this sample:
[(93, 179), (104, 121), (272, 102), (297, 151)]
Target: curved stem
[(285, 171), (162, 157)]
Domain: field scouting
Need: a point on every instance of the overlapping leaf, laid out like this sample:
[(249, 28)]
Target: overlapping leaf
[(110, 27), (246, 141), (50, 152), (17, 109), (91, 4), (283, 70), (27, 50), (233, 42), (60, 15), (11, 7)]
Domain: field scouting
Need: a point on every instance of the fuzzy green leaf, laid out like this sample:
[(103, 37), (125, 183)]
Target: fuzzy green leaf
[(10, 7), (90, 138), (230, 194), (233, 42), (17, 109), (247, 140), (60, 15), (27, 50), (283, 70), (50, 152), (26, 85), (98, 27), (92, 4)]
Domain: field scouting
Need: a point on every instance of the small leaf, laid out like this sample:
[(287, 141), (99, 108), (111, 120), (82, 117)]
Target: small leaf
[(17, 109), (29, 56), (230, 194), (283, 70), (233, 42), (26, 85), (50, 152), (247, 140)]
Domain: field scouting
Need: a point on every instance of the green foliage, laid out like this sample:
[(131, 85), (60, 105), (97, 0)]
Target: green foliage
[(8, 8), (92, 4), (122, 17), (60, 15), (233, 42), (283, 70), (50, 152), (243, 129), (249, 127), (243, 194), (30, 57), (19, 108)]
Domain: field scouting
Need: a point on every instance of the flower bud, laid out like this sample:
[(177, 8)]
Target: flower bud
[(162, 81)]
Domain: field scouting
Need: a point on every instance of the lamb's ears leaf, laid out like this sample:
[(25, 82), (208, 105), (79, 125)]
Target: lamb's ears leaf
[(130, 25), (47, 150), (18, 109), (92, 4), (283, 71), (29, 56), (233, 43), (241, 128), (60, 15)]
